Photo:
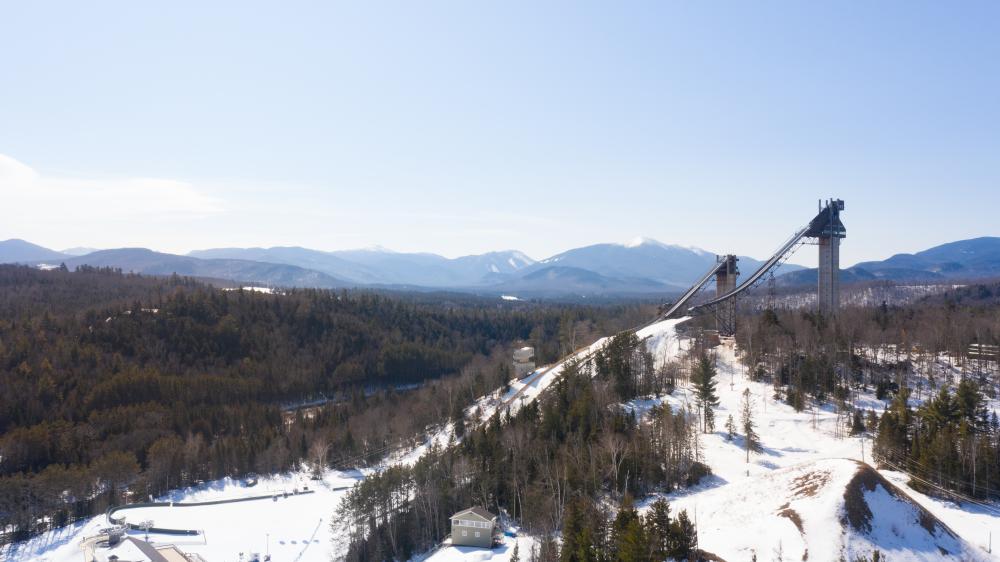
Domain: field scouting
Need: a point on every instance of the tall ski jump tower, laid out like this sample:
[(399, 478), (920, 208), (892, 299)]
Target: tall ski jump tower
[(828, 230)]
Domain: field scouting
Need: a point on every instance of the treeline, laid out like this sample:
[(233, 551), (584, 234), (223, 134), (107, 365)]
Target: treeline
[(117, 386), (572, 447), (939, 352), (951, 443)]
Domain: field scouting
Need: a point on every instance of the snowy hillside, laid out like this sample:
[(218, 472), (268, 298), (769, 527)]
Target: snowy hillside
[(740, 495), (808, 463), (818, 511)]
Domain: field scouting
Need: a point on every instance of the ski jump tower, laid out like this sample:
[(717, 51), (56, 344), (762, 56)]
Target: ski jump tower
[(725, 283), (828, 230)]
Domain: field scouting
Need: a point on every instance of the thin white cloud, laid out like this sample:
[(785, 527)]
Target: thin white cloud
[(42, 207), (61, 197)]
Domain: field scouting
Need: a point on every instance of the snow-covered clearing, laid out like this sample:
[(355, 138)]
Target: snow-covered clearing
[(296, 527), (501, 553), (252, 289)]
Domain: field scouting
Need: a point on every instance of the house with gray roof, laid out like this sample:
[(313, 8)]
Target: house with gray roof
[(473, 527)]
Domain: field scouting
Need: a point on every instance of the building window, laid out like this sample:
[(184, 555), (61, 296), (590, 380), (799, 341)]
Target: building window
[(465, 533), (477, 534)]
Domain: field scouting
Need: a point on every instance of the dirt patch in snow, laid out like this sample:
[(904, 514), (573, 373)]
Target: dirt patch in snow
[(792, 516), (807, 485)]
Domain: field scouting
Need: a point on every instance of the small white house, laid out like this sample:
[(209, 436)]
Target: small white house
[(524, 363)]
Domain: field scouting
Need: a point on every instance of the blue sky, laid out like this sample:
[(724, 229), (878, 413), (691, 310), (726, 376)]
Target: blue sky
[(463, 127)]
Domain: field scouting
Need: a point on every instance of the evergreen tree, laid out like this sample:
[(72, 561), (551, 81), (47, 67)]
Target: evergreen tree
[(683, 537), (857, 423), (658, 529), (872, 422), (941, 411), (627, 538), (704, 382), (578, 533), (751, 441), (626, 513), (515, 555), (730, 428), (969, 402)]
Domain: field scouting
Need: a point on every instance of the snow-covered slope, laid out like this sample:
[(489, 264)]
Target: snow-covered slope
[(739, 494), (821, 510)]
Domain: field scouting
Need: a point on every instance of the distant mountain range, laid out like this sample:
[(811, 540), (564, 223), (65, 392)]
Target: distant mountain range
[(19, 251), (976, 258), (378, 266), (644, 266)]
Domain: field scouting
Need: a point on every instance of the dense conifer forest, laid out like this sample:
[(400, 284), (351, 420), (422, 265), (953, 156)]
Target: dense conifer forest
[(117, 387)]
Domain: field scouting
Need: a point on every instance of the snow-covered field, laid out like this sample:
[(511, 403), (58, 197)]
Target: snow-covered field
[(296, 527)]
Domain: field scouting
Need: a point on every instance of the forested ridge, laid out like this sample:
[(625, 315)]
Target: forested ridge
[(117, 386)]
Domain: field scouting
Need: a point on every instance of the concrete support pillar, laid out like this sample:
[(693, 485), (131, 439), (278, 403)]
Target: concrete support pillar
[(829, 275), (725, 281)]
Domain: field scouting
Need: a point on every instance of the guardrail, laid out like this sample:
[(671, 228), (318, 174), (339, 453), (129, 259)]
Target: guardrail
[(184, 532)]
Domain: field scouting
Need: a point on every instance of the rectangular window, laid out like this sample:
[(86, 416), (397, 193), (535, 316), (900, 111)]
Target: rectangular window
[(477, 534), (465, 533)]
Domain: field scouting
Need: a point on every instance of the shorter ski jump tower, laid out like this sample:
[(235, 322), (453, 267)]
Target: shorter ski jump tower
[(725, 283), (825, 227)]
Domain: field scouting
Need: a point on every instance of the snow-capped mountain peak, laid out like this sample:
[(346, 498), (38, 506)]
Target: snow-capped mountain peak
[(639, 241), (643, 241)]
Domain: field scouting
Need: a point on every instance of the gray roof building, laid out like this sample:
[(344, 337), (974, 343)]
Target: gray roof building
[(473, 527)]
